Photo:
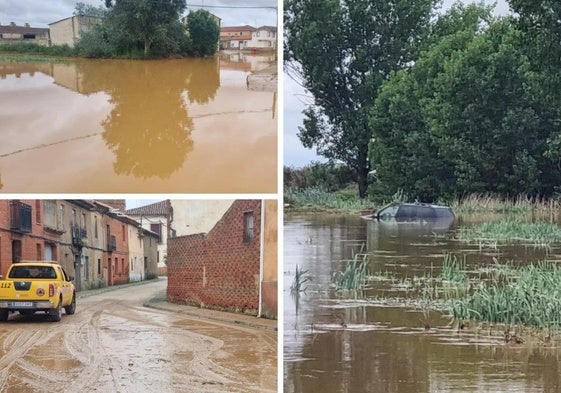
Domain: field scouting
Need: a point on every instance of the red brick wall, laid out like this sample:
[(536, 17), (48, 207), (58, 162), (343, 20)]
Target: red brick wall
[(119, 270), (218, 270), (29, 240)]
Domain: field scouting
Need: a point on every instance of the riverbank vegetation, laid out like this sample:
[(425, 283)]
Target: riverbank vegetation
[(501, 295)]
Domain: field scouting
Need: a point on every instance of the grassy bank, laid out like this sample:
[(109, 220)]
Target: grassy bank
[(35, 49), (321, 200)]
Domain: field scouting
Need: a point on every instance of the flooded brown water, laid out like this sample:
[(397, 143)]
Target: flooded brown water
[(377, 342), (185, 125)]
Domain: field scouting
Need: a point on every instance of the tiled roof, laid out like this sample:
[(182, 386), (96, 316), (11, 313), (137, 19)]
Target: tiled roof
[(9, 29), (268, 28), (237, 28), (155, 209)]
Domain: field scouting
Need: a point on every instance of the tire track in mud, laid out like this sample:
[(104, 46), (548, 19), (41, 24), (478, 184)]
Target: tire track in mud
[(16, 346)]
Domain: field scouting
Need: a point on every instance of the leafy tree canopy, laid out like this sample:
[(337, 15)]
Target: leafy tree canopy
[(463, 119), (83, 9), (204, 32), (343, 50)]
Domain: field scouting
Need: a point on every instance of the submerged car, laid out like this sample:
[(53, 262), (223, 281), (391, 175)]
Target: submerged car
[(413, 212)]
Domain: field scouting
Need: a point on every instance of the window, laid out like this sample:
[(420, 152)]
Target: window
[(248, 228), (74, 220), (95, 228), (83, 220), (99, 267), (49, 214), (16, 250), (157, 228), (39, 255), (124, 234)]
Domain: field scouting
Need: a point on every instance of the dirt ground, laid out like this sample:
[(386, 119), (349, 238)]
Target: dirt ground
[(115, 344)]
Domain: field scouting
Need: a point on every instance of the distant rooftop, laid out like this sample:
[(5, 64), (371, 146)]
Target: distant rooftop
[(12, 28), (155, 209)]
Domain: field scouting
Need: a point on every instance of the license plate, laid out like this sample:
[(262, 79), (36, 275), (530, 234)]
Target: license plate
[(22, 304)]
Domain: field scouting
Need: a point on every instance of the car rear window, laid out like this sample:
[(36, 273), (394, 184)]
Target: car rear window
[(32, 272)]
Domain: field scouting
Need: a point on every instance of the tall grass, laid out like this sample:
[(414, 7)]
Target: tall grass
[(511, 230), (485, 203), (353, 276), (321, 199), (530, 296)]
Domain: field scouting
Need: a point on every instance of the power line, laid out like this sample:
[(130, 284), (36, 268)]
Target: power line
[(233, 6)]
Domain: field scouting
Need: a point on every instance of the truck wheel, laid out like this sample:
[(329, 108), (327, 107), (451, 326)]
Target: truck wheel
[(4, 314), (71, 309), (56, 313)]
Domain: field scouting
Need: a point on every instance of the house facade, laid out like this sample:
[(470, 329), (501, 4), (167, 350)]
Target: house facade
[(232, 266), (264, 38), (67, 31), (236, 37), (155, 218), (15, 34)]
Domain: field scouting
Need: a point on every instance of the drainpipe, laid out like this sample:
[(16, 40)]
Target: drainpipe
[(261, 256)]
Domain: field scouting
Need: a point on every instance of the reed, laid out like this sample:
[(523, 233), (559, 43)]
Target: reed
[(353, 276), (321, 199), (511, 230), (301, 277), (529, 296), (522, 204)]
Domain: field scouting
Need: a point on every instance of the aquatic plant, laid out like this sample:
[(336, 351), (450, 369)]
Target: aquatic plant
[(529, 295), (511, 230), (300, 278), (453, 270), (354, 274)]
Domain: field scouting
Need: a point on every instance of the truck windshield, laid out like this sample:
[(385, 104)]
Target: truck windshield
[(32, 272)]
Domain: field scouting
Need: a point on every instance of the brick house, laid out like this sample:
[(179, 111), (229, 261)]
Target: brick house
[(116, 250), (231, 267), (14, 34), (22, 235)]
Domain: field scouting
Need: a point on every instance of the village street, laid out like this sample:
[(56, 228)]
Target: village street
[(115, 344)]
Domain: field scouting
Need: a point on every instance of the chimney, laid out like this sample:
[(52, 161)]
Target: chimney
[(27, 25), (13, 24)]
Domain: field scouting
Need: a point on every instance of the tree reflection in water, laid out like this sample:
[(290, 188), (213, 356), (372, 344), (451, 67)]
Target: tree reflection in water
[(149, 128)]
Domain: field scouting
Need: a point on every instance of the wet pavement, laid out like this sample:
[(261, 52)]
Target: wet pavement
[(115, 344)]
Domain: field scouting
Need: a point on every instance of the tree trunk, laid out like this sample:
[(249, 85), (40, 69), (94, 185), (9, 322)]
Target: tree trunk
[(362, 179)]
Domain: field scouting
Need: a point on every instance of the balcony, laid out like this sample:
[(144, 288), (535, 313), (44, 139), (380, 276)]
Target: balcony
[(111, 243), (20, 216), (79, 235)]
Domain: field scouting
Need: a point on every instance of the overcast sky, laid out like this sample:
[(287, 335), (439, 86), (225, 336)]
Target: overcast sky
[(296, 99), (39, 13)]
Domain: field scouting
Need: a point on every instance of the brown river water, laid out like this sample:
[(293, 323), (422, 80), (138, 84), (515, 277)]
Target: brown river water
[(185, 125), (336, 343)]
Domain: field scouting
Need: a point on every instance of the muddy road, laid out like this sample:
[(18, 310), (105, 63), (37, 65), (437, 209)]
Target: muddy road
[(115, 344)]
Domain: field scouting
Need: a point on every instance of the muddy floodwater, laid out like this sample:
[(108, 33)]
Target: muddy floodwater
[(114, 344), (185, 125), (379, 341)]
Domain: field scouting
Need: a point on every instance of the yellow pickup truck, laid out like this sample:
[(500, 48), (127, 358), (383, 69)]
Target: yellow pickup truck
[(37, 286)]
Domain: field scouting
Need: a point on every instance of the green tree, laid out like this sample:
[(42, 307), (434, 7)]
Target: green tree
[(539, 20), (83, 9), (462, 120), (204, 33), (343, 50), (147, 21)]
